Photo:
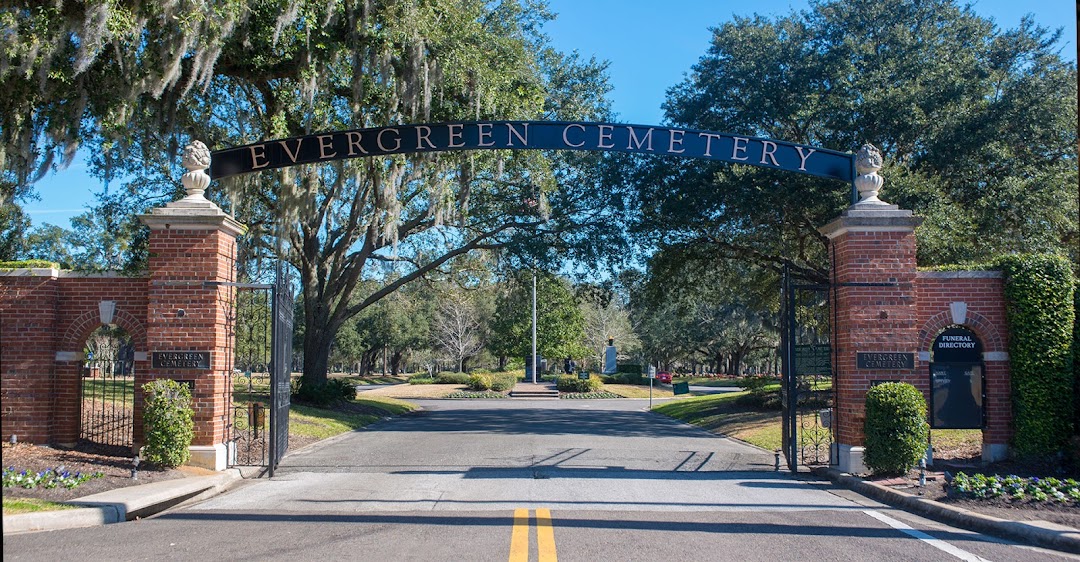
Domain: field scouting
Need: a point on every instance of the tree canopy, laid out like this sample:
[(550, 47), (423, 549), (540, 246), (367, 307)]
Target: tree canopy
[(977, 125), (355, 231)]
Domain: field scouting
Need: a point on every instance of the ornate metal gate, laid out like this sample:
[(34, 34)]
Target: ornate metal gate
[(807, 395), (280, 369), (262, 332), (107, 389)]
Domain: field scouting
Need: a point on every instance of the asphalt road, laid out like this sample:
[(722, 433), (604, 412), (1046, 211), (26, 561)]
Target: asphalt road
[(527, 480)]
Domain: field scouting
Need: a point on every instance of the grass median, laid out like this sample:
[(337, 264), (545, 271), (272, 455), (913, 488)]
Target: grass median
[(721, 414), (310, 423)]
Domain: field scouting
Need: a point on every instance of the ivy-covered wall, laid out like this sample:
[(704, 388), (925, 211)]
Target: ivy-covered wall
[(1041, 311)]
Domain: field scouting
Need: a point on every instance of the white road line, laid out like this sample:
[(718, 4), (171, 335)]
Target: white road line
[(938, 544)]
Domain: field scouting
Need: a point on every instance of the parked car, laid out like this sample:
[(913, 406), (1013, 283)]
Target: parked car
[(664, 377)]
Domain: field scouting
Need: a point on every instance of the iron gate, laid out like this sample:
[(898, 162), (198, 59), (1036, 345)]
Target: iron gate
[(262, 331), (107, 392), (280, 369), (807, 390)]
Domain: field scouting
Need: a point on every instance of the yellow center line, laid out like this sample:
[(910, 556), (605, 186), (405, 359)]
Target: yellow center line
[(519, 537), (545, 536)]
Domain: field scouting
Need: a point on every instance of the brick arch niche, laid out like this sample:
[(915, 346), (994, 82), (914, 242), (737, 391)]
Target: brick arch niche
[(46, 315)]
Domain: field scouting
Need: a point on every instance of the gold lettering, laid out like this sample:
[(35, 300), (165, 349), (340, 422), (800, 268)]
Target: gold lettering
[(323, 147), (605, 135), (292, 155), (804, 156), (422, 134), (455, 134), (635, 141), (766, 152), (566, 140), (379, 139), (708, 141), (511, 132), (739, 146), (255, 156), (672, 141), (485, 131), (354, 143)]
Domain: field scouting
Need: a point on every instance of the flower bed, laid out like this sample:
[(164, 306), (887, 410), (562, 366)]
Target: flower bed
[(476, 394), (1016, 488), (586, 395), (50, 478)]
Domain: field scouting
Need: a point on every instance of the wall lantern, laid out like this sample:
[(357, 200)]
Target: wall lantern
[(106, 310)]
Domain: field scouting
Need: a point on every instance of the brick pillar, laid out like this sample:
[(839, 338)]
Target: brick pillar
[(872, 248), (193, 251)]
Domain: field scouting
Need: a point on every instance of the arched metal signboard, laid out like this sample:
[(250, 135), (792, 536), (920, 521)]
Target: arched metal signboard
[(534, 135)]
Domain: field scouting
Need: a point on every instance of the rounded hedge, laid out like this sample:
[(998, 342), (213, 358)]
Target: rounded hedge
[(169, 422), (480, 382), (571, 383), (896, 428)]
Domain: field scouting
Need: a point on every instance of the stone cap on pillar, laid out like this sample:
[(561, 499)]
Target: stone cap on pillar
[(870, 214), (193, 212), (871, 218)]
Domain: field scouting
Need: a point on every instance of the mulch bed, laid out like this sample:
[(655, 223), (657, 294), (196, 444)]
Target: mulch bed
[(1004, 508), (87, 458)]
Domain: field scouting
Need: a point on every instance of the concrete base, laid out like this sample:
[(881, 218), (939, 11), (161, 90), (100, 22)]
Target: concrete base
[(212, 457), (850, 459), (994, 452)]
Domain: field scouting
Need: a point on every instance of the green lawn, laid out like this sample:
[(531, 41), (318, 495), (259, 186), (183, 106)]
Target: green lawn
[(720, 414), (703, 381), (14, 506), (372, 379), (322, 423)]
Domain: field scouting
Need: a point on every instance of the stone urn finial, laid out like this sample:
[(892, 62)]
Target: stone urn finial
[(196, 160), (867, 163)]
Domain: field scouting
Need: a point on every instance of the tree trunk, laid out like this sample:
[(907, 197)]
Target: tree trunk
[(395, 362), (316, 355)]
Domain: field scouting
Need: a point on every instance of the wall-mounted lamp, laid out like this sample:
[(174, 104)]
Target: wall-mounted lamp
[(106, 309)]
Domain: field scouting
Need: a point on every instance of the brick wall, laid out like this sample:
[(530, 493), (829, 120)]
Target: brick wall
[(983, 293), (28, 309), (46, 316)]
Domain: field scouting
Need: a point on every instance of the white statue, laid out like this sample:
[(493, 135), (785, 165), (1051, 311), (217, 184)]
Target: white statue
[(196, 159), (867, 163)]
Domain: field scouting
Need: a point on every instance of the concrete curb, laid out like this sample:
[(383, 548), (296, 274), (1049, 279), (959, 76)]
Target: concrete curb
[(123, 504), (1038, 533)]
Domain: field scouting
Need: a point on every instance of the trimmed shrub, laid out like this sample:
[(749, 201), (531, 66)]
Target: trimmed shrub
[(761, 400), (570, 383), (421, 379), (896, 428), (169, 423), (333, 390), (452, 378), (503, 382), (480, 382), (28, 264), (1039, 293)]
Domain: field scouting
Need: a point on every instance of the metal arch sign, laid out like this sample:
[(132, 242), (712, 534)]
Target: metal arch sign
[(534, 135)]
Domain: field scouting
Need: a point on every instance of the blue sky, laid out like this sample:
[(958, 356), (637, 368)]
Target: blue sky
[(650, 45)]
